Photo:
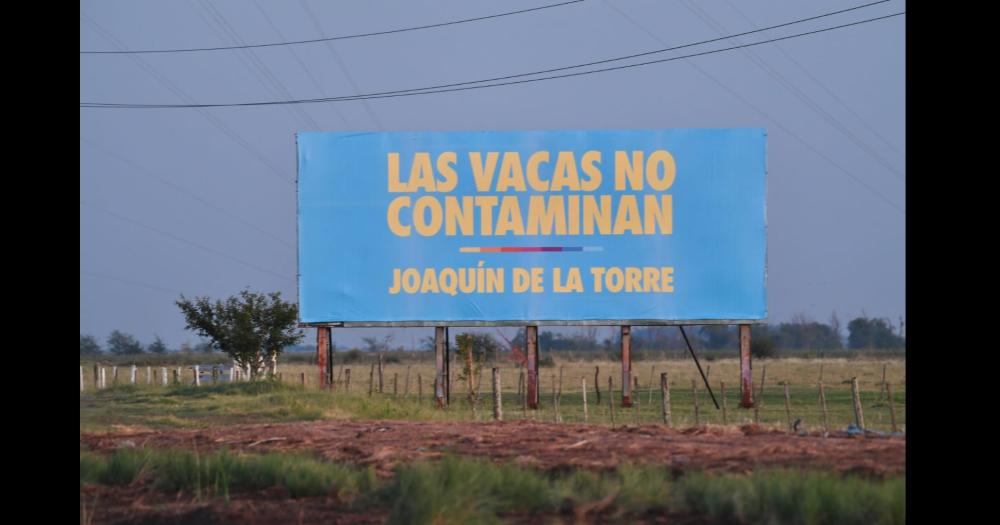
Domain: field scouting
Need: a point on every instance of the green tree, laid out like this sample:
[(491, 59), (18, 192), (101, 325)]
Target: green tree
[(204, 347), (865, 332), (157, 346), (89, 345), (120, 343), (251, 327)]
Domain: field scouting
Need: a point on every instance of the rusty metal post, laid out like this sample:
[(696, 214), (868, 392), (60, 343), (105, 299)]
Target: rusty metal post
[(746, 380), (531, 342), (322, 350), (439, 361), (626, 366)]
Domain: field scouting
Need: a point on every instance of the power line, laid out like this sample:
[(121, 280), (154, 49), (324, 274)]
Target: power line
[(256, 66), (802, 96), (777, 124), (182, 239), (330, 39), (167, 182), (212, 119), (435, 89), (340, 62), (821, 84)]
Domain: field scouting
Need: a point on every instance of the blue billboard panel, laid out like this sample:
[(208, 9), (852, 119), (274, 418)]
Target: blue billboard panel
[(645, 226)]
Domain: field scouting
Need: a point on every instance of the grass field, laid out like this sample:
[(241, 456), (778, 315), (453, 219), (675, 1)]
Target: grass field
[(179, 406), (462, 490)]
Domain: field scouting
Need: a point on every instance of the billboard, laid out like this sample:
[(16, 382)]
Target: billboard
[(532, 227)]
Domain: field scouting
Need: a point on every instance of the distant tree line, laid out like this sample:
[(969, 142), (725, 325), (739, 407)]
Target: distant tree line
[(121, 343)]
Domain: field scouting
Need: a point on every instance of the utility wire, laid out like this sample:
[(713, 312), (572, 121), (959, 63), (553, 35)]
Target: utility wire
[(761, 112), (820, 83), (212, 119), (182, 239), (331, 39), (465, 86), (802, 96)]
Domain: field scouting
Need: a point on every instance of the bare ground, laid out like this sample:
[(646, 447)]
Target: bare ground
[(384, 444)]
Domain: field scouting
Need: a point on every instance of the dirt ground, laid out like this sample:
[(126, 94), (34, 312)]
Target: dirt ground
[(384, 444)]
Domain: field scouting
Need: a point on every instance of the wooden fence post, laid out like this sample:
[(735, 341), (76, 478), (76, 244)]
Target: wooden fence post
[(724, 418), (395, 384), (859, 416), (381, 366), (788, 407), (406, 383), (371, 380), (694, 394), (176, 379), (888, 389), (97, 378), (822, 404), (665, 397), (302, 378), (114, 375), (197, 375), (149, 375), (497, 408), (583, 391), (597, 384), (104, 378), (611, 400), (163, 375), (347, 380)]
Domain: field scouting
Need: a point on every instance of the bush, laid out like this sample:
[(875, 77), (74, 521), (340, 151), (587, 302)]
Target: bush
[(762, 347)]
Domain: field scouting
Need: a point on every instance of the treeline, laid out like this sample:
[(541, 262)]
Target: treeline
[(121, 343)]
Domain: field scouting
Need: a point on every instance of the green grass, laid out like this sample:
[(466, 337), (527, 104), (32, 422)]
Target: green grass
[(185, 406), (461, 490)]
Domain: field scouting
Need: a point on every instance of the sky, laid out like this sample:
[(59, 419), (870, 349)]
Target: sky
[(202, 202)]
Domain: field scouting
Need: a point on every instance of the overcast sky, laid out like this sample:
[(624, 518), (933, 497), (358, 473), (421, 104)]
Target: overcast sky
[(202, 202)]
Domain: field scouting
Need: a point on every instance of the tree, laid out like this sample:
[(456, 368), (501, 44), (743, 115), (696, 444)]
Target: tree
[(251, 328), (872, 333), (89, 345), (120, 343), (204, 347), (157, 346)]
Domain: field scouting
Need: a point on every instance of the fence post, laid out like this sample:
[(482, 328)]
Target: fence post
[(395, 384), (555, 401), (176, 380), (114, 375), (104, 378), (694, 394), (888, 389), (822, 404), (724, 418), (381, 384), (859, 416), (788, 407), (652, 370), (597, 384), (420, 386), (626, 346), (149, 375), (611, 400), (347, 380), (531, 345), (583, 391), (197, 375), (81, 379), (497, 408), (665, 397), (371, 380), (97, 378), (163, 375), (406, 383), (759, 401)]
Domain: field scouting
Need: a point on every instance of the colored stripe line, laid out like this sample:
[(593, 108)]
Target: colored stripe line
[(521, 249)]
